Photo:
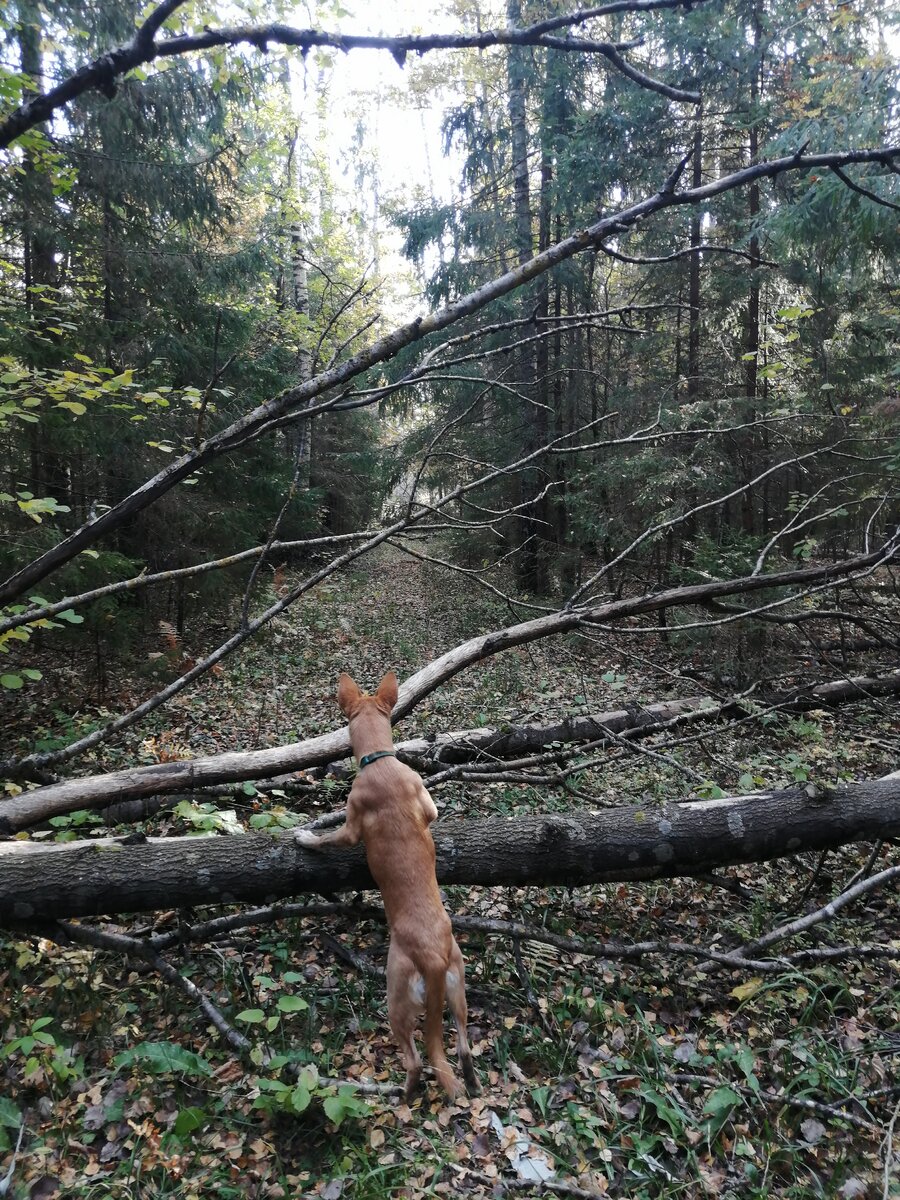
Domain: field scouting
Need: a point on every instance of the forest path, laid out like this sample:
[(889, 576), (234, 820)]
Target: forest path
[(388, 611)]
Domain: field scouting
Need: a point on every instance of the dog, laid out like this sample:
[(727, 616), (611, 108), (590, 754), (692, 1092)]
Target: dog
[(389, 809)]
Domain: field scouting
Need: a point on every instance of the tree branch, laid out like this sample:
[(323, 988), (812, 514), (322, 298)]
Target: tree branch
[(864, 191), (102, 73)]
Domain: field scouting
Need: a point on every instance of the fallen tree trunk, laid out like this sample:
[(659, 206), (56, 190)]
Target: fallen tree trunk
[(462, 745), (185, 776), (41, 882)]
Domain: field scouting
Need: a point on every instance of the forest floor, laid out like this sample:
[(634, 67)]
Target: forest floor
[(644, 1079)]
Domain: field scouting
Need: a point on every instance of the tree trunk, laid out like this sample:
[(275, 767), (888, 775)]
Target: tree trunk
[(531, 562), (693, 369), (40, 275), (751, 330), (518, 137), (41, 883), (296, 284)]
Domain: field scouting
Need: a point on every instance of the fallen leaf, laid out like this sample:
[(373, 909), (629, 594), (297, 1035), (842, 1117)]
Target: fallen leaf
[(813, 1131)]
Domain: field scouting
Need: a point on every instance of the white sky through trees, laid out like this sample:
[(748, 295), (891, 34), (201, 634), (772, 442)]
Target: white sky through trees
[(370, 100)]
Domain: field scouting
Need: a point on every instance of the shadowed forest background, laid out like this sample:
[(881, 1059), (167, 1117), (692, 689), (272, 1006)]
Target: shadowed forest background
[(552, 363)]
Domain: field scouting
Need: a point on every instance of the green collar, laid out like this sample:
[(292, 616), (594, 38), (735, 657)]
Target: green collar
[(367, 758)]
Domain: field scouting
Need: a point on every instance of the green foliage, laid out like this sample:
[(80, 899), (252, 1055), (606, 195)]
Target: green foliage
[(293, 1099), (163, 1058), (74, 824), (205, 818), (39, 1050)]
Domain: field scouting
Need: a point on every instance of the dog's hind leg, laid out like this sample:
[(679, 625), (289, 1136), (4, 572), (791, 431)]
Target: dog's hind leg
[(406, 999), (456, 997)]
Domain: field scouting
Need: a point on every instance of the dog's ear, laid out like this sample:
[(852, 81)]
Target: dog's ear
[(348, 695), (386, 696)]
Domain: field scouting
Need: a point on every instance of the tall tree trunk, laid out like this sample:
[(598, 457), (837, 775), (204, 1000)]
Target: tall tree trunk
[(751, 327), (295, 285), (48, 473), (693, 366), (300, 279), (37, 189), (515, 67), (532, 560)]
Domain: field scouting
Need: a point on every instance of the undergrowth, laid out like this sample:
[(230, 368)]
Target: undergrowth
[(661, 1077)]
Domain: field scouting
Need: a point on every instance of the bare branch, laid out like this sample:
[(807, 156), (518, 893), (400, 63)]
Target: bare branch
[(864, 191), (826, 913), (42, 612), (655, 530), (248, 628), (613, 55), (705, 248), (120, 943), (103, 72), (793, 524)]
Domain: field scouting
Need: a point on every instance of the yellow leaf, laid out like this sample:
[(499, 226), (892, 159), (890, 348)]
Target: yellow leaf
[(745, 990)]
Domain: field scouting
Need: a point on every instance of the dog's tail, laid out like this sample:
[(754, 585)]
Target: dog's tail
[(435, 988)]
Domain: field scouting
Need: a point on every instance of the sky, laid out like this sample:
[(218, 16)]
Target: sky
[(406, 141)]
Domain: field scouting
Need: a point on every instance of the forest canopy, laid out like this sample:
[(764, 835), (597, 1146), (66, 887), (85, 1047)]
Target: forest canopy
[(548, 358)]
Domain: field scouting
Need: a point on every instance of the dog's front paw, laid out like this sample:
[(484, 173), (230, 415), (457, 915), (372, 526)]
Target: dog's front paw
[(304, 837)]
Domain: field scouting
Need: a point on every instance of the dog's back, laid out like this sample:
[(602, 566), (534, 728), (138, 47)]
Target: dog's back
[(396, 811)]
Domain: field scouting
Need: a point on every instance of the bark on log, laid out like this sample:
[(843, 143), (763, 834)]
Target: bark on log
[(98, 791), (40, 882)]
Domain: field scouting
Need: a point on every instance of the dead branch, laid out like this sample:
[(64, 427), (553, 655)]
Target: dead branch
[(248, 628), (102, 74), (826, 913), (864, 191)]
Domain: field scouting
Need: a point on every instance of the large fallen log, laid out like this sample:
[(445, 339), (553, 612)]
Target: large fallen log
[(184, 776), (462, 745), (40, 882)]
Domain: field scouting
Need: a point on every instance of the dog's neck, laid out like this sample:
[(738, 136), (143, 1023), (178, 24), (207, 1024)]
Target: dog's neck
[(370, 731)]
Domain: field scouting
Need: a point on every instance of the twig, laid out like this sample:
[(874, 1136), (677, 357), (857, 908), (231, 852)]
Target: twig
[(6, 1181), (864, 191), (835, 1110), (888, 1144), (864, 870), (358, 961), (705, 248), (810, 883), (206, 930), (825, 913), (120, 943)]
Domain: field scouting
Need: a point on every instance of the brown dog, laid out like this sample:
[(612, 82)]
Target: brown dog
[(390, 810)]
